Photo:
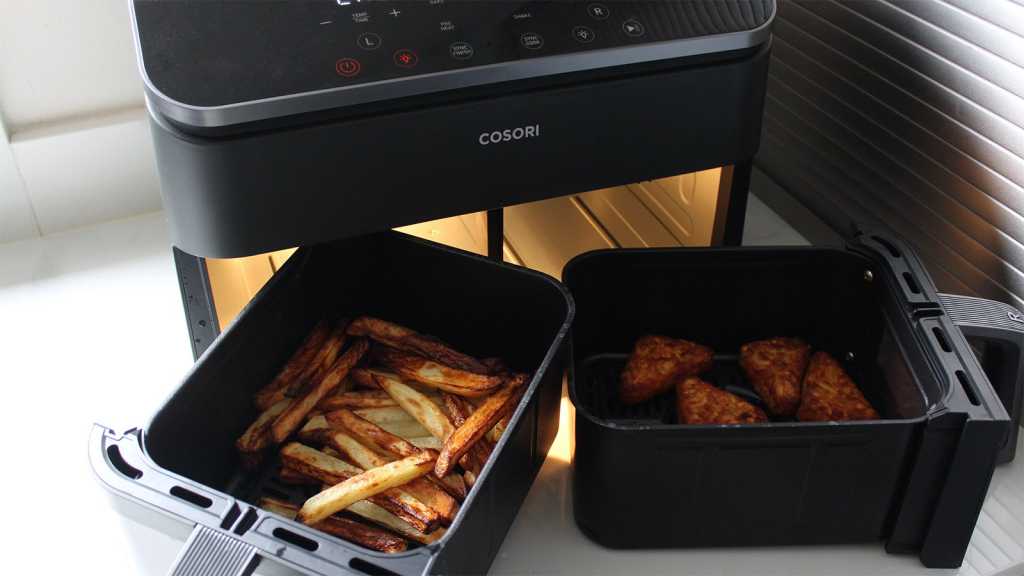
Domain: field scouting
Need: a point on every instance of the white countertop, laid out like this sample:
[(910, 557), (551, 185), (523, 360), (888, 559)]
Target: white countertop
[(93, 331)]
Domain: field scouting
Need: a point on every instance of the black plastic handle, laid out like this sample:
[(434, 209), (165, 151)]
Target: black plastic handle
[(996, 333)]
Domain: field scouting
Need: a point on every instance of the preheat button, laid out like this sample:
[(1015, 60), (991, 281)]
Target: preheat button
[(368, 41), (347, 67), (583, 35), (406, 58), (532, 41), (461, 50)]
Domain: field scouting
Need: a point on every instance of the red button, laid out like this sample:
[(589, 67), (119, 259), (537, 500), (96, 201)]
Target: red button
[(347, 67), (406, 58)]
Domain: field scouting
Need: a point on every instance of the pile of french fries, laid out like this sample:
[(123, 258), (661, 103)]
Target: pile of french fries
[(391, 426)]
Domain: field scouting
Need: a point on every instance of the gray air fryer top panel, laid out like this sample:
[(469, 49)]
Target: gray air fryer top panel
[(218, 63)]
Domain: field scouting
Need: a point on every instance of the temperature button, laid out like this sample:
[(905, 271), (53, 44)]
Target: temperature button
[(406, 58)]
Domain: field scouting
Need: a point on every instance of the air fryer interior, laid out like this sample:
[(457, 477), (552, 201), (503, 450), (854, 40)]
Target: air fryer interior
[(835, 300), (475, 305)]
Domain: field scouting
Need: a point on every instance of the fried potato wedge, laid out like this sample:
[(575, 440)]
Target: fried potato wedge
[(830, 394), (418, 405), (403, 338), (698, 402), (436, 375), (382, 517), (333, 471), (658, 362), (314, 429), (344, 528), (255, 440), (460, 410), (387, 443), (291, 373), (426, 442), (476, 426), (362, 399), (495, 434), (292, 417), (366, 485), (420, 488), (294, 477), (363, 378), (775, 367)]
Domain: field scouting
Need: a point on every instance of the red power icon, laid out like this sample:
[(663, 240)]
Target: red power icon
[(347, 67)]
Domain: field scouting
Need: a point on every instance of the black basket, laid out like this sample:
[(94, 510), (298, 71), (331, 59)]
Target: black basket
[(183, 465), (915, 478)]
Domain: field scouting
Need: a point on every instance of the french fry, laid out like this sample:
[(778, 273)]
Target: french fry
[(386, 442), (495, 434), (436, 375), (403, 338), (426, 442), (334, 471), (477, 425), (294, 477), (366, 485), (477, 455), (363, 378), (418, 405), (366, 399), (385, 415), (314, 429), (420, 488), (292, 371), (318, 365), (382, 517), (344, 528), (254, 441), (292, 417)]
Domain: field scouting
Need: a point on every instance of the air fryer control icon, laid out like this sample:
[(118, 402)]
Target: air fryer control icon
[(347, 67), (406, 58)]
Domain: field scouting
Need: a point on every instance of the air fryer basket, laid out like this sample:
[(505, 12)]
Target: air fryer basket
[(916, 478), (184, 465)]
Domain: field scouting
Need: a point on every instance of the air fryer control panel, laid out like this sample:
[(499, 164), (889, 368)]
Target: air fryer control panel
[(219, 53)]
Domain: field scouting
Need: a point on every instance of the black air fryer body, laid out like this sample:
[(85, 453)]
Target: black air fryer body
[(292, 123)]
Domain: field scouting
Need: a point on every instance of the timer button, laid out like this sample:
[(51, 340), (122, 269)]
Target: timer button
[(532, 41), (368, 41), (347, 67), (406, 58), (583, 35), (598, 11), (461, 50)]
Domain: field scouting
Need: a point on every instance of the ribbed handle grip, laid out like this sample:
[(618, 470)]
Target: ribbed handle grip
[(211, 553)]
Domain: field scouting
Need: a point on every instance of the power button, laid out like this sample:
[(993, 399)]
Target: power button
[(347, 67)]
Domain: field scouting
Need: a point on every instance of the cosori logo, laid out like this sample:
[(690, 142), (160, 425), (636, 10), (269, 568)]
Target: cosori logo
[(509, 135)]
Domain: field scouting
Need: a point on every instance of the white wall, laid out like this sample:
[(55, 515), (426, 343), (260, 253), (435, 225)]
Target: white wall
[(74, 144)]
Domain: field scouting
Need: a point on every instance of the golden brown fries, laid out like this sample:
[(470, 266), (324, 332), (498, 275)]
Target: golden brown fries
[(460, 410), (657, 363), (775, 368), (495, 434), (292, 417), (426, 442), (420, 488), (363, 399), (363, 377), (830, 394), (477, 425), (436, 375), (366, 485), (386, 443), (403, 338), (314, 429), (333, 471), (418, 405), (292, 476), (372, 538), (382, 517), (291, 373), (255, 439), (318, 365), (698, 402)]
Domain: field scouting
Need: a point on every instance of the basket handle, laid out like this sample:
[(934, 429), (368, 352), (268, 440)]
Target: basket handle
[(1000, 328), (211, 553)]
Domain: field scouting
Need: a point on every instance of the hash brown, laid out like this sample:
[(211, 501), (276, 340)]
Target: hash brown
[(775, 367), (830, 394), (698, 402), (657, 362)]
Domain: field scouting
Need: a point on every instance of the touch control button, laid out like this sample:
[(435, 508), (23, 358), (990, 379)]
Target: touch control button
[(461, 50), (598, 11), (368, 41), (583, 35), (532, 41), (406, 58), (633, 28), (347, 67)]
